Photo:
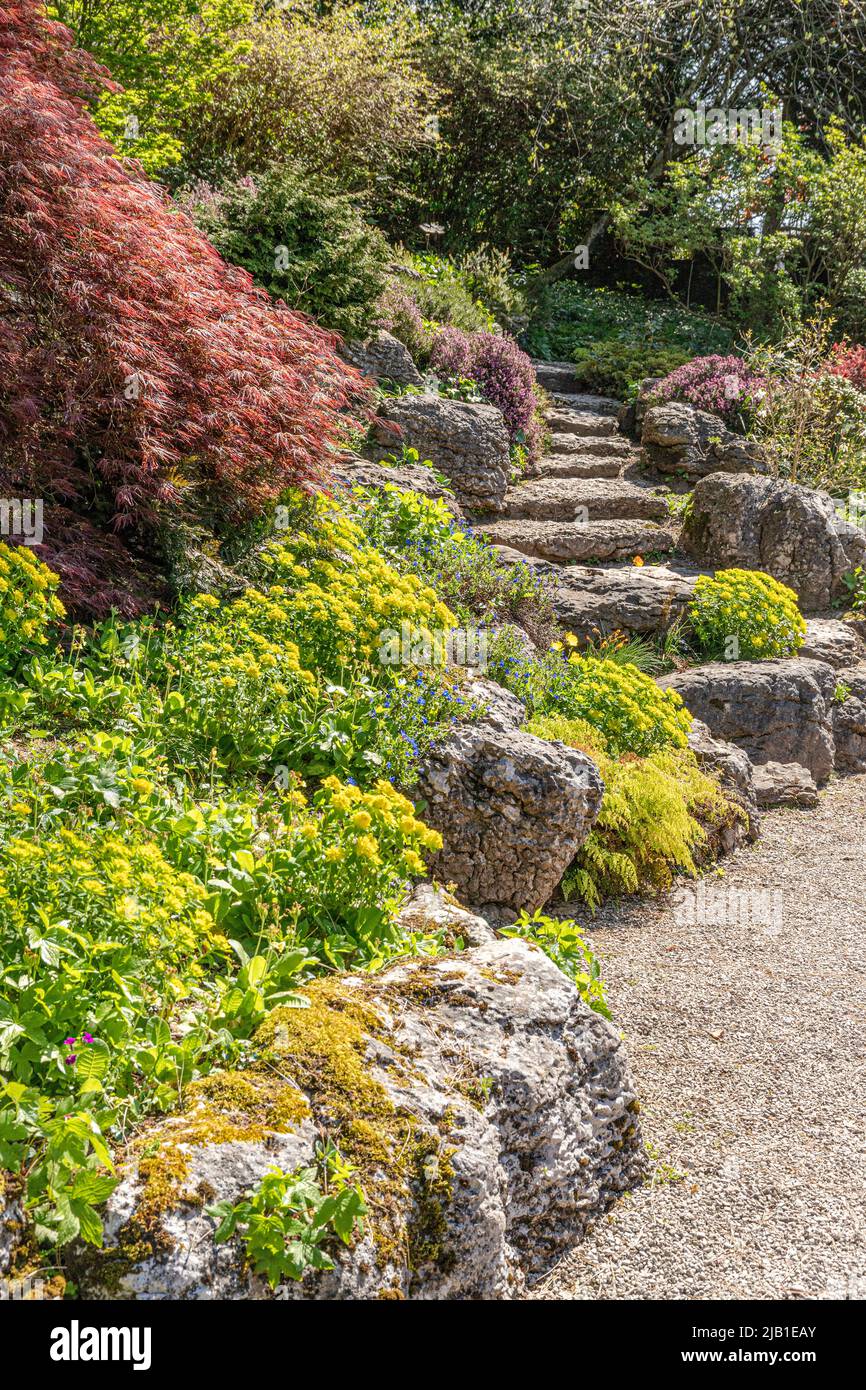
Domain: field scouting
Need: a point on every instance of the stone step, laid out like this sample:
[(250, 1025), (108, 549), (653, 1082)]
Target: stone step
[(608, 446), (556, 376), (569, 541), (637, 599), (581, 400), (586, 499), (579, 466), (584, 422)]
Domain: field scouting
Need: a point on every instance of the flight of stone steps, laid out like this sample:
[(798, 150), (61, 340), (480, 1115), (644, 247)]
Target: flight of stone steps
[(585, 516)]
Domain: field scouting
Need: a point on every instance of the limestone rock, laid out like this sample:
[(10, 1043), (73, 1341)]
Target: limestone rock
[(504, 1116), (500, 710), (785, 784), (829, 640), (778, 711), (634, 598), (512, 810), (565, 542), (791, 532), (431, 908), (677, 438), (594, 499), (849, 720), (384, 357), (466, 442), (735, 771)]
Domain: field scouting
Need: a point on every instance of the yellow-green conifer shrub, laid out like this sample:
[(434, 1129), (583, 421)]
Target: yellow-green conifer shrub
[(652, 819)]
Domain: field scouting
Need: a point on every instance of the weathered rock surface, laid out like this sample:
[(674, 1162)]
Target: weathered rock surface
[(500, 710), (353, 471), (635, 598), (384, 357), (581, 465), (504, 1118), (431, 908), (466, 442), (587, 423), (677, 438), (832, 641), (791, 532), (593, 499), (584, 400), (849, 720), (784, 784), (735, 771), (606, 446), (569, 541), (512, 810), (778, 711)]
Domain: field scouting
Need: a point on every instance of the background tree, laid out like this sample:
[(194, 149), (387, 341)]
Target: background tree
[(144, 376)]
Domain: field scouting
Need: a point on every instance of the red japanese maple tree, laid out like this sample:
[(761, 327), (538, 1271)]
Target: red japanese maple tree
[(138, 371)]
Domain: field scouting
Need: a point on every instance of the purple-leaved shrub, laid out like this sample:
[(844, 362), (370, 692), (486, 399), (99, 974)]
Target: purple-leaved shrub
[(504, 374), (723, 385)]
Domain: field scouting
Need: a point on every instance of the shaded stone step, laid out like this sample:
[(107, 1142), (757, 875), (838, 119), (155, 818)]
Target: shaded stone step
[(581, 400), (579, 466), (556, 376), (584, 422), (582, 499), (605, 445), (574, 541)]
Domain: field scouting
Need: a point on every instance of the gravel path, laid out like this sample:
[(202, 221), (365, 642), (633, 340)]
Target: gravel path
[(746, 1041)]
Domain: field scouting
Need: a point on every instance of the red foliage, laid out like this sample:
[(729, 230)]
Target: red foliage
[(849, 361), (138, 371)]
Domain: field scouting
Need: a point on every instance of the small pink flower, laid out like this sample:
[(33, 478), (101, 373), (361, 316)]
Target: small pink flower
[(69, 1042), (71, 1060), (87, 1037)]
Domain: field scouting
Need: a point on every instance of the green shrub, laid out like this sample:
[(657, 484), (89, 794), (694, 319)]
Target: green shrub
[(28, 603), (747, 615), (616, 369), (300, 239)]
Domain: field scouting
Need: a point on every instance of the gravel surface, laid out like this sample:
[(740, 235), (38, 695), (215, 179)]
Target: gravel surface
[(742, 1004)]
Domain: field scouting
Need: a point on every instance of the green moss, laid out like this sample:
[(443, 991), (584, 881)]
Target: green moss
[(433, 1184)]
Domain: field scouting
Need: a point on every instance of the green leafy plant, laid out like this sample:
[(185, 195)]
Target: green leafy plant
[(285, 1220), (563, 941), (745, 614)]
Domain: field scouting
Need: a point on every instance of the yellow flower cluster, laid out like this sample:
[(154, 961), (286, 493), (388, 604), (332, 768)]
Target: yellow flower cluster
[(28, 603), (378, 826), (746, 615), (111, 888), (632, 712), (337, 594)]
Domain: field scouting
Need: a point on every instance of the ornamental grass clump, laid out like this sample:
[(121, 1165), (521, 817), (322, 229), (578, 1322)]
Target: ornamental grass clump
[(747, 615)]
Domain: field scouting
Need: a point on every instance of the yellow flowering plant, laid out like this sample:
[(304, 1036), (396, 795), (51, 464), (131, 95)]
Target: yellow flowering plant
[(29, 605), (335, 594), (747, 615)]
